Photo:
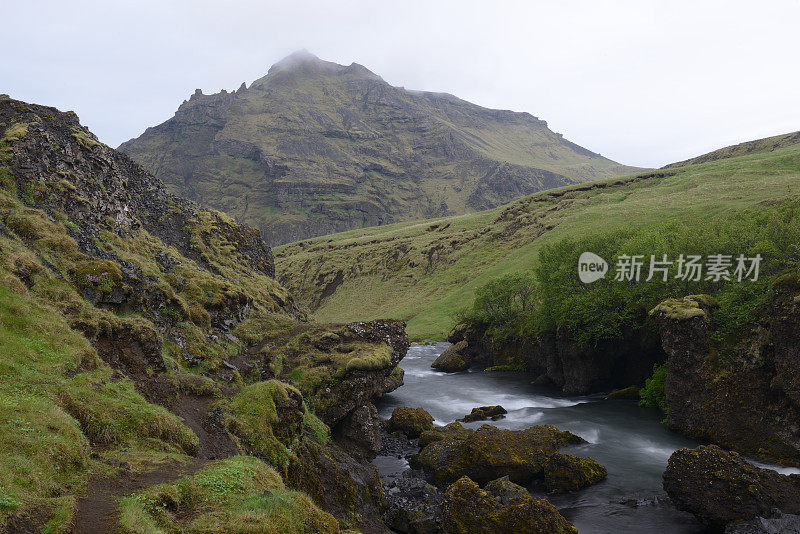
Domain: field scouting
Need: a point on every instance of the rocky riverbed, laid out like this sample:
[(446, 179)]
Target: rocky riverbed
[(631, 442)]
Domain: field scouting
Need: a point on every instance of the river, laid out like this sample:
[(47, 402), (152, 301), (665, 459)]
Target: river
[(629, 440)]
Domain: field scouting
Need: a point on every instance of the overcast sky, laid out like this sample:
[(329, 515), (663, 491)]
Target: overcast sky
[(642, 82)]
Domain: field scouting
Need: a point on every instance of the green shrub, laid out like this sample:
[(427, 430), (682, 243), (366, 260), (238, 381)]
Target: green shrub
[(554, 298), (652, 394)]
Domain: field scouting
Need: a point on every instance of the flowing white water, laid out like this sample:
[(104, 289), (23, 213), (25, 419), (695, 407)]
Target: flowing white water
[(629, 440)]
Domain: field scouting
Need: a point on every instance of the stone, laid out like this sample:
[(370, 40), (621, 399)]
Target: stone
[(482, 413), (490, 453), (360, 432), (410, 421), (453, 358), (564, 472), (721, 487), (468, 509)]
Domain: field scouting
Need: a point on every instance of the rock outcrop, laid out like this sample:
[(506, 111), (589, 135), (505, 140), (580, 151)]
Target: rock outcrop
[(741, 393), (558, 360), (721, 487), (346, 488)]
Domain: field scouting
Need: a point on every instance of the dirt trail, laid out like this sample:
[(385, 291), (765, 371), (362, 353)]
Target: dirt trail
[(98, 512)]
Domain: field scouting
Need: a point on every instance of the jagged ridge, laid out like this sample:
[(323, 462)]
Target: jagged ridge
[(314, 147)]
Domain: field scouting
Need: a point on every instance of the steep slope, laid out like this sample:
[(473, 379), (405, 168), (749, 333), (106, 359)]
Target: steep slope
[(314, 148), (425, 272), (143, 337)]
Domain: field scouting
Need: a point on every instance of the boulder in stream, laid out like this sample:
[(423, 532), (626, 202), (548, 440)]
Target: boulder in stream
[(454, 358), (501, 507), (721, 487), (482, 413), (564, 472), (491, 452), (410, 421)]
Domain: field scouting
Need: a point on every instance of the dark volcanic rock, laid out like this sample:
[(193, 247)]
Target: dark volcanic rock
[(360, 432), (721, 487), (501, 507), (777, 523), (360, 387), (740, 394), (454, 430), (558, 360), (413, 505), (482, 413)]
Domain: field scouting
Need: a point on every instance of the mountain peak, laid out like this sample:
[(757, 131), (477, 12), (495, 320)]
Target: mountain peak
[(304, 63), (301, 60)]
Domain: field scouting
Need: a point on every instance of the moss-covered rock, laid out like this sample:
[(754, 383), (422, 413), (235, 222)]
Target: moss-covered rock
[(491, 453), (737, 390), (453, 359), (721, 487), (454, 430), (482, 413), (468, 509), (267, 417), (340, 485), (685, 308), (564, 472), (410, 421)]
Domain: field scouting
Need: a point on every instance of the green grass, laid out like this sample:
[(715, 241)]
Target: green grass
[(253, 415), (426, 272), (59, 399), (240, 494)]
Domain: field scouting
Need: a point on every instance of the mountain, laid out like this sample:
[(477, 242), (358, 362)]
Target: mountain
[(425, 272), (315, 147)]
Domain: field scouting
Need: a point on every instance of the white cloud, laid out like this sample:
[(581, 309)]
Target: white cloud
[(645, 83)]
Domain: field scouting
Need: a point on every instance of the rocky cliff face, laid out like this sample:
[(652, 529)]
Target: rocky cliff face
[(314, 148), (558, 360), (741, 393)]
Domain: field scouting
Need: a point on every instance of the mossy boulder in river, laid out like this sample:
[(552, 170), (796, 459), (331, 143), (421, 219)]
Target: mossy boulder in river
[(490, 453), (453, 359), (501, 507), (564, 472), (454, 430), (410, 421), (482, 413), (721, 487)]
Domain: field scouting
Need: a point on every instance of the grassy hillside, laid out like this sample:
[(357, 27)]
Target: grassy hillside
[(424, 272), (314, 147), (142, 336)]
